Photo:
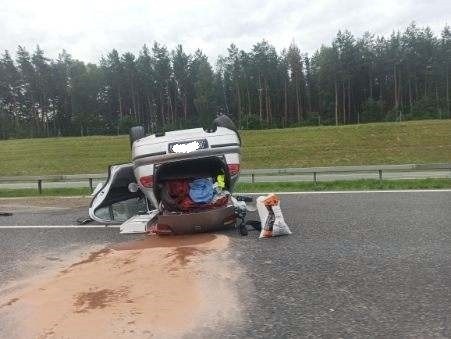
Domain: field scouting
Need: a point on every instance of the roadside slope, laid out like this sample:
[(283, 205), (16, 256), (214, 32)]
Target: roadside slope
[(424, 141)]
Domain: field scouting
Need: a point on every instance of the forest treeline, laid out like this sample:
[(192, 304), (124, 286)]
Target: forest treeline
[(353, 80)]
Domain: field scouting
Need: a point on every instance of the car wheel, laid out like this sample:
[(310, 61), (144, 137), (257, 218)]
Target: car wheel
[(136, 133), (225, 121)]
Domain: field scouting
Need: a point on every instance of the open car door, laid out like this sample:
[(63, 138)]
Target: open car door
[(119, 198)]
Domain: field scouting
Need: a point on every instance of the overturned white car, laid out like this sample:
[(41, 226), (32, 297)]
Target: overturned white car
[(182, 180)]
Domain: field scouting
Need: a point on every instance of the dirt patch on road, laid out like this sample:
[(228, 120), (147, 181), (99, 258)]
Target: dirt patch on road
[(156, 287)]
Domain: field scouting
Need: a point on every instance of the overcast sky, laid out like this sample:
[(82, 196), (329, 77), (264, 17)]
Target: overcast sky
[(89, 28)]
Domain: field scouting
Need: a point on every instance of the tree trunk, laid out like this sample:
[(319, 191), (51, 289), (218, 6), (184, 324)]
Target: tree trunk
[(336, 102), (260, 89), (162, 109), (170, 108), (344, 102), (285, 113), (298, 109), (380, 90), (400, 102), (301, 109), (185, 106), (238, 94), (395, 79), (425, 82), (120, 105), (447, 91), (269, 109), (437, 102), (135, 110), (248, 95), (149, 115), (349, 99), (410, 96), (266, 102), (249, 108), (416, 89)]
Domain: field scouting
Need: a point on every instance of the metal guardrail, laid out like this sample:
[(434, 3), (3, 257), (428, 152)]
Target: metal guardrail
[(314, 171), (253, 173), (39, 179)]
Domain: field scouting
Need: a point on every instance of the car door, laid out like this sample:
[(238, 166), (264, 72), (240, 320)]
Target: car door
[(119, 198)]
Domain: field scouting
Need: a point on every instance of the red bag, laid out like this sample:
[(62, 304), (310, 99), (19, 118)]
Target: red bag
[(178, 189)]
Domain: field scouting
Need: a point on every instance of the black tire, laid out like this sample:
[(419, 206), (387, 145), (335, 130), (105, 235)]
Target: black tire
[(136, 133), (242, 229), (245, 198), (225, 121), (255, 224)]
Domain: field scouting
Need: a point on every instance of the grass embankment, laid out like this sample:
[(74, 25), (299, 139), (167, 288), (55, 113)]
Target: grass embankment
[(382, 143), (368, 184), (368, 144)]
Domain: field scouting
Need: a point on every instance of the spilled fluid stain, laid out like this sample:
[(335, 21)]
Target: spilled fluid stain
[(182, 256), (93, 256), (10, 302), (164, 241), (161, 286), (86, 301)]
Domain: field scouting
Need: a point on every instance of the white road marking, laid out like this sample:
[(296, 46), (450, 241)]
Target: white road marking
[(253, 193), (59, 226), (347, 192)]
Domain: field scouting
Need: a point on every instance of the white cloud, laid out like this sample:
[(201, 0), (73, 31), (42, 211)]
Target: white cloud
[(89, 28)]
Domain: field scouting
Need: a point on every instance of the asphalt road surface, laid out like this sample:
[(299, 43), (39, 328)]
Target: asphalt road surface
[(357, 265)]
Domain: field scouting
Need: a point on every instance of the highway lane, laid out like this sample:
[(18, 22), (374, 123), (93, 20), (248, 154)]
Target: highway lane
[(357, 265)]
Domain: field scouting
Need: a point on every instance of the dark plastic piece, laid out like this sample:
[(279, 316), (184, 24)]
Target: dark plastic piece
[(84, 220), (210, 129), (256, 224), (244, 198), (5, 214), (242, 229)]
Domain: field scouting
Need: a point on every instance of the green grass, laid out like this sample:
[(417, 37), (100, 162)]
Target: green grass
[(368, 184), (364, 184), (369, 144), (424, 141)]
